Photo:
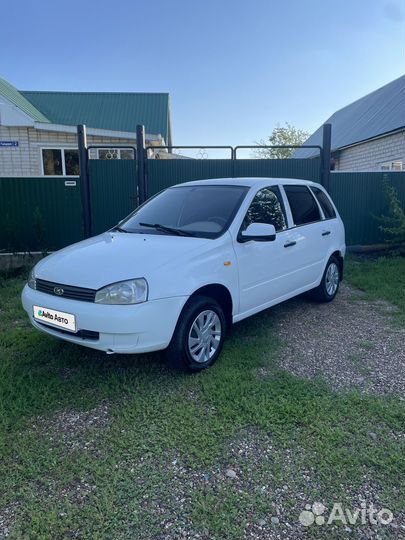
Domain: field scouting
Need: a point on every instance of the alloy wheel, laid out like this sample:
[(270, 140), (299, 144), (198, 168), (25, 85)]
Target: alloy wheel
[(205, 336), (332, 279)]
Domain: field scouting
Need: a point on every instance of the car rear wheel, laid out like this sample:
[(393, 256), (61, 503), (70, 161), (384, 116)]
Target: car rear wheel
[(329, 286), (199, 335)]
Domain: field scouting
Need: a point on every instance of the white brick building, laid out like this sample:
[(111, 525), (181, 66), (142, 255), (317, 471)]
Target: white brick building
[(369, 134), (382, 153), (38, 129)]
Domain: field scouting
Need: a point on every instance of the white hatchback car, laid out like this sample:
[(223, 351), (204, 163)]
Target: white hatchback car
[(177, 272)]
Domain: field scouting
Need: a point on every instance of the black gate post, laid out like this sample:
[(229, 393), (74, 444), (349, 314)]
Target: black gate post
[(325, 158), (84, 178), (233, 158), (140, 159)]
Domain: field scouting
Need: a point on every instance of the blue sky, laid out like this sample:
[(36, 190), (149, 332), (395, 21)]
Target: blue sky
[(234, 69)]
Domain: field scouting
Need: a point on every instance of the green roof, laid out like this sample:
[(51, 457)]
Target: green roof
[(106, 110), (14, 96)]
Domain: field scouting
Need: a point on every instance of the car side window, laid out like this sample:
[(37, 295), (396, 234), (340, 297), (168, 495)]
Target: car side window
[(266, 207), (324, 202), (303, 205)]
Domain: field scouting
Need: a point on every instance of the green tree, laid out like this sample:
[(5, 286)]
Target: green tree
[(280, 136), (392, 224)]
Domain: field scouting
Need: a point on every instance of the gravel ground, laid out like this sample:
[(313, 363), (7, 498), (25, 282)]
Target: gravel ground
[(7, 519), (75, 430), (350, 343), (283, 487)]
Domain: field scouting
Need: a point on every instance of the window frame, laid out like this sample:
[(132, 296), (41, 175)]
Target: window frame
[(390, 164), (62, 148), (308, 187), (118, 148)]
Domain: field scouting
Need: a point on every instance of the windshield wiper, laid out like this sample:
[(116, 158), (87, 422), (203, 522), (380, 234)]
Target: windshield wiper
[(120, 229), (163, 228)]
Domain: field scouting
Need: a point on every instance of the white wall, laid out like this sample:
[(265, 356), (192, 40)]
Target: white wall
[(368, 156), (25, 159)]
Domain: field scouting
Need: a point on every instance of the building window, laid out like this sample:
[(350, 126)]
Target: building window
[(111, 153), (391, 165), (60, 162)]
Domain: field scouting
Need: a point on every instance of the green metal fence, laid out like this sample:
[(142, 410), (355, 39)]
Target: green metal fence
[(44, 213), (39, 213), (360, 198), (113, 191), (164, 173)]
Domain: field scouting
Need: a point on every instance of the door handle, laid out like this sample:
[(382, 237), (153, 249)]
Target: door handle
[(325, 233), (289, 244)]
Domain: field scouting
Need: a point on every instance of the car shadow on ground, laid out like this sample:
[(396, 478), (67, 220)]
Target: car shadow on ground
[(350, 343), (75, 360)]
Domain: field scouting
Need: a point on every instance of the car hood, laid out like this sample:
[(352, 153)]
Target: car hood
[(115, 256)]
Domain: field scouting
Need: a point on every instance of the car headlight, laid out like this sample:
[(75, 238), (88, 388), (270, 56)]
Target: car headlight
[(32, 282), (133, 291)]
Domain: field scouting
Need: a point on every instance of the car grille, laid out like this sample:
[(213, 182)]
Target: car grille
[(84, 334), (69, 291)]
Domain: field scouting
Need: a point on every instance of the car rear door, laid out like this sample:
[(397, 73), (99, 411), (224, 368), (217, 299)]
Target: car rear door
[(307, 230), (331, 231)]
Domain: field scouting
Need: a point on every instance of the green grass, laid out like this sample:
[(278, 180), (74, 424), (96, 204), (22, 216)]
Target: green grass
[(381, 279), (161, 457)]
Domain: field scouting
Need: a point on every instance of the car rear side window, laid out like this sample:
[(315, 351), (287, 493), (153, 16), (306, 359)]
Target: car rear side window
[(303, 205), (324, 202)]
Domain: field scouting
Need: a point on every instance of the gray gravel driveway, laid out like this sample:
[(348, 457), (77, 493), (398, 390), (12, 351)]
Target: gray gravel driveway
[(349, 343)]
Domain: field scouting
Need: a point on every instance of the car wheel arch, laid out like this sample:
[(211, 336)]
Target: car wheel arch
[(340, 259), (221, 294)]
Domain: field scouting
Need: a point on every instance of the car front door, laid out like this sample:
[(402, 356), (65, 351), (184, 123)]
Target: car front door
[(264, 267)]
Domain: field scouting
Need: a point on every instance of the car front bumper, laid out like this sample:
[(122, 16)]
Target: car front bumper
[(137, 328)]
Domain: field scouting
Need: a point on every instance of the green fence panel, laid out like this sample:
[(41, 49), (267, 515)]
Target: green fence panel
[(360, 197), (113, 186), (39, 213), (166, 173), (306, 169), (162, 174), (44, 213)]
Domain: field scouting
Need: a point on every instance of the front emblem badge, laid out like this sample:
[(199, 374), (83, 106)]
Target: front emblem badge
[(58, 290)]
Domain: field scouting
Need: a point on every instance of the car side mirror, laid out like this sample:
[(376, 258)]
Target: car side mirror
[(258, 232)]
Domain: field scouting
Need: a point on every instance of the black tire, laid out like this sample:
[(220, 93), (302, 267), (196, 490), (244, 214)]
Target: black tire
[(325, 292), (178, 354)]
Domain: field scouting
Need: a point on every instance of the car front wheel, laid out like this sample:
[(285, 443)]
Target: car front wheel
[(199, 335)]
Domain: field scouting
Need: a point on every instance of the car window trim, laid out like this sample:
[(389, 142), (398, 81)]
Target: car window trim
[(323, 217), (330, 200)]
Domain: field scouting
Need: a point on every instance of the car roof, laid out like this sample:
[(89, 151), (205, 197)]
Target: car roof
[(248, 182)]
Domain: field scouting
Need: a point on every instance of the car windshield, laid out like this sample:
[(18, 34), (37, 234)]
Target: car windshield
[(204, 211)]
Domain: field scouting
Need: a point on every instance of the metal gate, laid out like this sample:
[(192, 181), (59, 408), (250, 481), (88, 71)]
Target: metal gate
[(161, 174), (113, 192), (109, 184), (112, 188)]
